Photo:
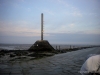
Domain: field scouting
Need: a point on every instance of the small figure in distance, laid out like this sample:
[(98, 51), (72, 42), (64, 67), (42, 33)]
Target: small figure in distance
[(91, 66)]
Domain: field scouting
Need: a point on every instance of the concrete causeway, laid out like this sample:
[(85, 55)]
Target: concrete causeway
[(60, 64)]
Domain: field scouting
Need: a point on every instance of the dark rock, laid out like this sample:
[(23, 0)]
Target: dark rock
[(39, 46), (12, 55)]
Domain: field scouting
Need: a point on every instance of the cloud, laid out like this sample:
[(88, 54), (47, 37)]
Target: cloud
[(21, 28), (70, 9), (18, 29), (73, 28), (93, 31), (67, 28), (49, 11), (76, 13), (75, 38), (63, 2), (21, 0), (46, 10), (71, 25), (28, 9)]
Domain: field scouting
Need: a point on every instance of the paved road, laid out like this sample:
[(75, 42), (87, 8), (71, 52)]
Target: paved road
[(61, 64)]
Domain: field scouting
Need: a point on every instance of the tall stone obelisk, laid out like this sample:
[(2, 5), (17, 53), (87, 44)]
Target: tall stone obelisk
[(41, 45), (41, 26)]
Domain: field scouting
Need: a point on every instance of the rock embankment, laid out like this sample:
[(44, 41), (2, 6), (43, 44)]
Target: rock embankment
[(27, 55)]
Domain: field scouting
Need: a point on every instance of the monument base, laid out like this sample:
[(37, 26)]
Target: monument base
[(41, 45)]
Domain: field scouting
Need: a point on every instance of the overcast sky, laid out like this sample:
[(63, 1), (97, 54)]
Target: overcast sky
[(65, 21)]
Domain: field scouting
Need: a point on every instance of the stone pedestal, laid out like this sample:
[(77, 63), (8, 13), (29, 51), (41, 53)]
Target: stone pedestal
[(41, 45)]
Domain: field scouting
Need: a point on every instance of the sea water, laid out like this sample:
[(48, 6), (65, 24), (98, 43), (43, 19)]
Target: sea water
[(27, 46)]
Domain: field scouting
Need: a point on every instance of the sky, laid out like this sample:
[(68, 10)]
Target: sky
[(65, 21)]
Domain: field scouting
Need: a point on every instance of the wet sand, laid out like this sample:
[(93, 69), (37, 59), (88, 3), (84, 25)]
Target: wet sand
[(60, 64)]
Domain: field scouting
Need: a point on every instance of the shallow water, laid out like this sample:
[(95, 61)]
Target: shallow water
[(60, 64)]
